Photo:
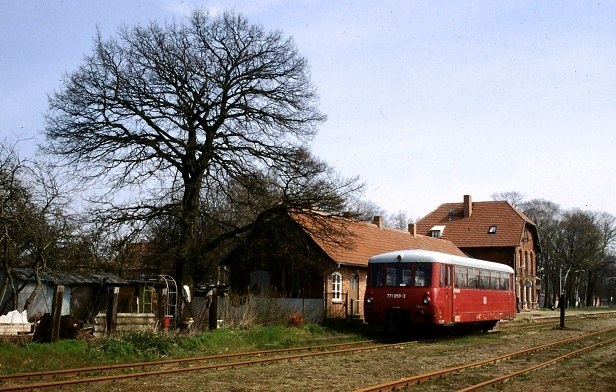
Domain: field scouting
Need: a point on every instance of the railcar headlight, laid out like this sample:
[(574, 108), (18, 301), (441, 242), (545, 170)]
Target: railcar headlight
[(369, 300), (426, 298)]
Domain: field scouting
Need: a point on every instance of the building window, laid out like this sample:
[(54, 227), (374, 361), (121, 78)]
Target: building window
[(437, 231), (492, 230), (336, 287)]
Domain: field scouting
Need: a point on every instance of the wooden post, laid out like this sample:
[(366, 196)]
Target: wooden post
[(56, 312), (561, 305), (112, 312), (213, 315)]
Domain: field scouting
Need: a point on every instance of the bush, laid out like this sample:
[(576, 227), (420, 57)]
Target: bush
[(149, 345), (296, 320), (251, 310)]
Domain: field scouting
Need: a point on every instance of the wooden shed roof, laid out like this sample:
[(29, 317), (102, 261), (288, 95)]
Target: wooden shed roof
[(70, 278)]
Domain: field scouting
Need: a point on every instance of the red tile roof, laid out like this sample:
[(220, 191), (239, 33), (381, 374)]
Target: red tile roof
[(473, 231), (368, 239)]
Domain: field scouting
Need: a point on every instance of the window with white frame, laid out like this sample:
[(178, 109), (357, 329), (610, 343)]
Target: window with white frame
[(437, 231), (336, 287)]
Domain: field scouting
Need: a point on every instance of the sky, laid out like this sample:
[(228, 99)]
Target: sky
[(427, 101)]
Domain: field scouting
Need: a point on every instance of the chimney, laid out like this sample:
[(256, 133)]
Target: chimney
[(413, 229), (468, 206), (377, 221)]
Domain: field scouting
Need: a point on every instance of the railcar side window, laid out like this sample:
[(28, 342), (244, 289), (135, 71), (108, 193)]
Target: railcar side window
[(504, 281), (473, 278), (461, 273), (494, 278), (484, 279)]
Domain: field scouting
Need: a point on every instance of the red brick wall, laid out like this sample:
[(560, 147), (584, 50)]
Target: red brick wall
[(342, 309)]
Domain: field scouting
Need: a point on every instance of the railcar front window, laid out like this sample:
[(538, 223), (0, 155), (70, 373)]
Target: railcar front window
[(406, 276), (423, 271), (402, 275), (376, 275), (390, 276)]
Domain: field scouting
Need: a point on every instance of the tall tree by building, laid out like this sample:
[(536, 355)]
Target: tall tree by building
[(163, 113)]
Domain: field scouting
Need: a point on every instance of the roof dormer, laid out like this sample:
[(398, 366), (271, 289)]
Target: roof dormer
[(437, 231)]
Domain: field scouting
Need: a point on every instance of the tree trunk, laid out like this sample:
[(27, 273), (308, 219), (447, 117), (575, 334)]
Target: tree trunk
[(190, 215), (589, 288)]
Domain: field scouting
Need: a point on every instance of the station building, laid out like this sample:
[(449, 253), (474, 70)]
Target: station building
[(494, 231)]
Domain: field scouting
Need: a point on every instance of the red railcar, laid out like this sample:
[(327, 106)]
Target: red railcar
[(424, 288)]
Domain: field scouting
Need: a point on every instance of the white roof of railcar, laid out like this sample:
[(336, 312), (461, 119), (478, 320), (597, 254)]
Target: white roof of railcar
[(427, 256)]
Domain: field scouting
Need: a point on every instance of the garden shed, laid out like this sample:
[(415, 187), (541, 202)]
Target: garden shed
[(84, 293)]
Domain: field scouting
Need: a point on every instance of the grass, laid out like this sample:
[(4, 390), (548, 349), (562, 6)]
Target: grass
[(38, 356), (148, 346)]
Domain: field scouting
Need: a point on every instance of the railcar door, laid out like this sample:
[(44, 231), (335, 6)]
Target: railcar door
[(447, 295)]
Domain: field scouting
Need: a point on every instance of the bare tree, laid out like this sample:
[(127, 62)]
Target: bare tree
[(399, 220), (578, 246), (14, 204), (546, 215), (364, 210), (514, 198), (33, 222), (598, 274), (607, 224), (577, 250), (168, 112)]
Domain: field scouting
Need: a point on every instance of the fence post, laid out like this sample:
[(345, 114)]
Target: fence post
[(56, 312), (111, 318), (325, 308), (213, 313)]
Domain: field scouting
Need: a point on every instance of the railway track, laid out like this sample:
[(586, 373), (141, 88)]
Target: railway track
[(551, 320), (56, 379), (146, 372), (552, 353)]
